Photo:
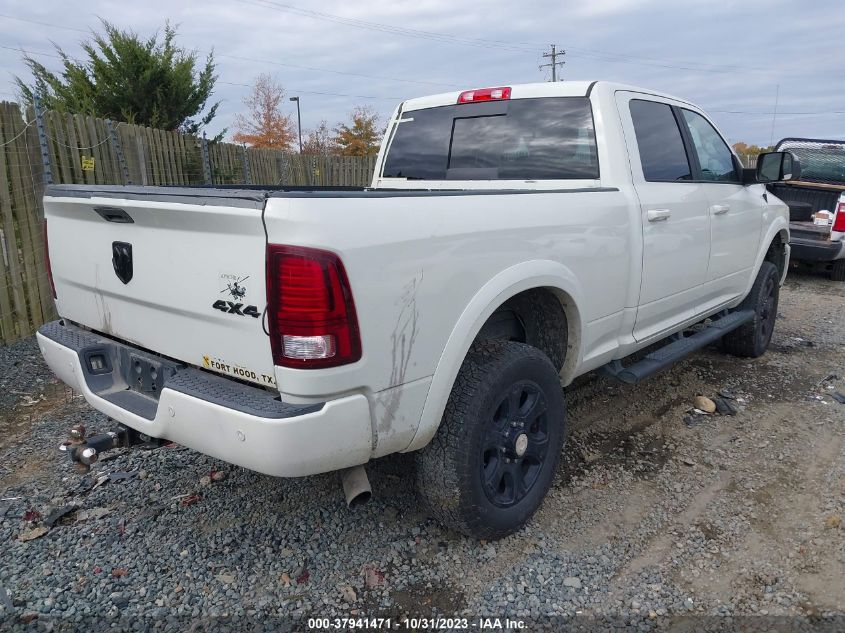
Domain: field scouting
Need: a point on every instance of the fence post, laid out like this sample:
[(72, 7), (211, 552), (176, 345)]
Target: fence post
[(206, 162), (42, 141), (281, 166), (142, 159), (247, 178), (118, 149)]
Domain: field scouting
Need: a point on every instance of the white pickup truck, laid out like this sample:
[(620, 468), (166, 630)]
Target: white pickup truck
[(513, 238)]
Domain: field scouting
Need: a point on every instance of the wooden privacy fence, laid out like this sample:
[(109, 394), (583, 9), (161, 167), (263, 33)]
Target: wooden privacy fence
[(87, 150), (75, 149), (25, 297)]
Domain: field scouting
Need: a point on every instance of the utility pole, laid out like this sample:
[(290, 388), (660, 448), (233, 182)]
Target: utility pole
[(775, 115), (554, 63), (298, 121)]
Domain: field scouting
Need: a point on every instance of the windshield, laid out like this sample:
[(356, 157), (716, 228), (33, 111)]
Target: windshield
[(522, 139), (821, 161)]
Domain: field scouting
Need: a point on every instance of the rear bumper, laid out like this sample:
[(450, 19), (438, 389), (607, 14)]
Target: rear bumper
[(223, 418), (813, 250)]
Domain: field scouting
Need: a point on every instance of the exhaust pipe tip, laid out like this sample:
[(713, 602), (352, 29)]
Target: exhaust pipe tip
[(356, 486)]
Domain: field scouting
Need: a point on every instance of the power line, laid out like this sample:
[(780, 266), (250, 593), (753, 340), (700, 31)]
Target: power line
[(627, 58), (19, 49), (393, 98), (330, 70), (525, 47), (554, 63), (251, 59), (778, 112), (396, 30), (228, 83), (56, 26), (314, 92)]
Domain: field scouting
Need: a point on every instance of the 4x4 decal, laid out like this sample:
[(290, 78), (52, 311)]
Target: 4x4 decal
[(230, 307)]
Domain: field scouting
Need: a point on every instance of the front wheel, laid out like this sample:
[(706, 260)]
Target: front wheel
[(837, 271), (494, 456), (752, 338)]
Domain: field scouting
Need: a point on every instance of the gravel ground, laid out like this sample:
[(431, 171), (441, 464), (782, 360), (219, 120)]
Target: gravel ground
[(658, 516)]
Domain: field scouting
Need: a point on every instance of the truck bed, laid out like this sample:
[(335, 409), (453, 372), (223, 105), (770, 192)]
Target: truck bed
[(250, 195)]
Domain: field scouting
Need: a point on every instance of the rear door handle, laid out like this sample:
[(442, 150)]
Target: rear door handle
[(720, 209), (658, 215)]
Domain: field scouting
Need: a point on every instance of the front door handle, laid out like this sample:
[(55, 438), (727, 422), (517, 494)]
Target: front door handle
[(720, 209), (658, 215)]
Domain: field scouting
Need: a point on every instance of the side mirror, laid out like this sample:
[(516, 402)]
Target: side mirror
[(777, 167)]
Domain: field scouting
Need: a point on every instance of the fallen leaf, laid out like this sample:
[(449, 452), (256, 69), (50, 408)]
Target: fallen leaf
[(303, 577), (56, 515), (34, 533), (372, 577), (31, 515), (91, 513), (285, 578), (348, 593), (97, 569), (120, 475), (833, 521), (189, 500), (26, 618), (29, 401), (119, 572)]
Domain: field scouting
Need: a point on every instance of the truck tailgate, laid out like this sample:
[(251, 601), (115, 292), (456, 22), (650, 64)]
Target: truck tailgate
[(176, 271), (810, 231)]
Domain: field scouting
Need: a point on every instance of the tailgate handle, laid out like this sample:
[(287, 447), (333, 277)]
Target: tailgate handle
[(113, 214)]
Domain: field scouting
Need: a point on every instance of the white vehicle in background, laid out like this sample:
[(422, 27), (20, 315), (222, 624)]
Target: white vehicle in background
[(816, 203), (513, 238)]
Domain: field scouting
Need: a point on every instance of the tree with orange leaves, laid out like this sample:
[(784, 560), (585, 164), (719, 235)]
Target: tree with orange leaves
[(319, 141), (265, 126), (362, 136)]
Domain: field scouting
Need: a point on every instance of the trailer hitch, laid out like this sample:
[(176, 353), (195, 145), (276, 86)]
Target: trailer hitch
[(85, 451)]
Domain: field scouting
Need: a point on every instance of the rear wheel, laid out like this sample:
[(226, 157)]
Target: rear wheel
[(837, 272), (494, 456), (752, 339)]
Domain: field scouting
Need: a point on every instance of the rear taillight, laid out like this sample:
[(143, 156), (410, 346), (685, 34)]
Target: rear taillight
[(47, 262), (484, 94), (311, 314), (839, 220)]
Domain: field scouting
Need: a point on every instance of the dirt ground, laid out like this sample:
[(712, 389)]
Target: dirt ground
[(765, 487), (656, 510)]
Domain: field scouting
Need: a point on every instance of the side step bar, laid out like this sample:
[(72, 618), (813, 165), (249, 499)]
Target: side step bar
[(677, 349)]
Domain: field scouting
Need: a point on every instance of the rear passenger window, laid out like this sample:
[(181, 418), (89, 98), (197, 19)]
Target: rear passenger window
[(662, 152), (547, 138), (714, 157)]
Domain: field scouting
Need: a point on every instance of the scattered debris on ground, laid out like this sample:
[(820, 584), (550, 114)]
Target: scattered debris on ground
[(657, 510)]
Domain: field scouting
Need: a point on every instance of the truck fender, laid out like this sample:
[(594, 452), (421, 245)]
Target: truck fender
[(506, 284), (778, 225)]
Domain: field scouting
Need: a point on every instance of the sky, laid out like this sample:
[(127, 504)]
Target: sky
[(741, 61)]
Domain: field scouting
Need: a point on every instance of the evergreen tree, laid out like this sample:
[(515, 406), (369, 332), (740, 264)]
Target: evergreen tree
[(149, 81)]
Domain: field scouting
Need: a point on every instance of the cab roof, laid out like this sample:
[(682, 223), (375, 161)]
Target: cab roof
[(533, 90)]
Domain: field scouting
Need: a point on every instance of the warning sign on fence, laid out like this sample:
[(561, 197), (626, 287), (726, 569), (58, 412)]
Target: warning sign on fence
[(87, 163)]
